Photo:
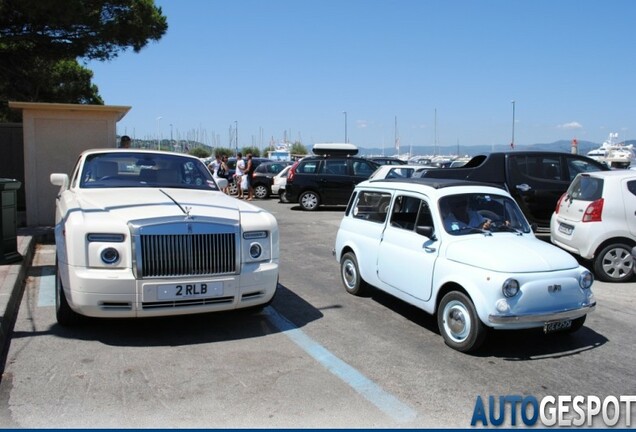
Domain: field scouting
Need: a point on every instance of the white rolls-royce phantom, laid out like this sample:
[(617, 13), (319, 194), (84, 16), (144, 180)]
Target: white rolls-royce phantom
[(143, 233)]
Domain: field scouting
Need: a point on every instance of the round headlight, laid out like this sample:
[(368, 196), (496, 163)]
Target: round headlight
[(255, 250), (585, 279), (510, 287), (110, 255)]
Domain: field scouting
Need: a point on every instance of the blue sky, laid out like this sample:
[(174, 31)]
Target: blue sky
[(445, 71)]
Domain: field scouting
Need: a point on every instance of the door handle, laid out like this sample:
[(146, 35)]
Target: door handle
[(523, 187)]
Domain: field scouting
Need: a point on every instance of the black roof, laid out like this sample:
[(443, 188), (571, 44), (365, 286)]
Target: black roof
[(436, 183)]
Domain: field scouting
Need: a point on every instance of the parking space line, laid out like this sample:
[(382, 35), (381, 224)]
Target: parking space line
[(386, 402), (46, 288)]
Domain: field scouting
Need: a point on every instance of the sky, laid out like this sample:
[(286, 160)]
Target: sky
[(423, 72)]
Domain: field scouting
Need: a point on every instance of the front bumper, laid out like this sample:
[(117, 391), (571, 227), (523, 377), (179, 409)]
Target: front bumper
[(541, 318)]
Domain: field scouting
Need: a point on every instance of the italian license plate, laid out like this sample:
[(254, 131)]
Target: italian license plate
[(566, 229), (554, 326), (189, 290)]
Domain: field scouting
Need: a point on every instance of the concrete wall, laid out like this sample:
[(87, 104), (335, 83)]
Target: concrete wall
[(54, 136)]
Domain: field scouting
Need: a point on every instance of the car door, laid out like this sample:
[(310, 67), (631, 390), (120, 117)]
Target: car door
[(406, 259), (335, 184), (537, 182)]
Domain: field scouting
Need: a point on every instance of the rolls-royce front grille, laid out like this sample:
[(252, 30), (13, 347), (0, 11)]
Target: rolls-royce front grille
[(168, 255)]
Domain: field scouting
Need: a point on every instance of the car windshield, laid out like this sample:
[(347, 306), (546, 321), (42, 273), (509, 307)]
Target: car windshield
[(468, 213), (138, 169)]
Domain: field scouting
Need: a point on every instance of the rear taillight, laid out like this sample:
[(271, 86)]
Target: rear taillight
[(292, 172), (594, 211), (556, 210)]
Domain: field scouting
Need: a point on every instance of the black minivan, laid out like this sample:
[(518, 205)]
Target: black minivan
[(326, 180)]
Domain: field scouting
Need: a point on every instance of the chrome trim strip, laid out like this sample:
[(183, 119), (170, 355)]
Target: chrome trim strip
[(542, 318)]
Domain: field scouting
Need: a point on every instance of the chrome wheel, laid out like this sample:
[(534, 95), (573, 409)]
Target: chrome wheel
[(261, 192), (458, 322), (309, 201), (614, 263), (350, 274)]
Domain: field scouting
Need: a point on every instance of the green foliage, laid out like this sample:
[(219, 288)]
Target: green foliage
[(199, 152), (224, 151), (254, 150), (298, 148), (42, 40)]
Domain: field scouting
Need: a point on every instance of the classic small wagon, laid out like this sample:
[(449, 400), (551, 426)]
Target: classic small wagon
[(485, 270)]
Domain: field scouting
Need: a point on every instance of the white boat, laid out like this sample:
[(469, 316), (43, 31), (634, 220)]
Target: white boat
[(616, 155)]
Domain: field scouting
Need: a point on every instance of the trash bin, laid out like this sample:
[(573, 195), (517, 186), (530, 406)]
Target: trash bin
[(9, 221)]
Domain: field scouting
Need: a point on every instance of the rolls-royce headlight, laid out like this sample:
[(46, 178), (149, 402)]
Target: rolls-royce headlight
[(109, 255), (585, 280), (255, 250), (510, 287)]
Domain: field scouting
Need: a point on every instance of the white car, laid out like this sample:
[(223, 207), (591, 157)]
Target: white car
[(396, 171), (278, 183), (494, 274), (158, 240), (596, 220)]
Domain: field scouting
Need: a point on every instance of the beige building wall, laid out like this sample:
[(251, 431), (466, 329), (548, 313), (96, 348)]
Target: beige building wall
[(54, 136)]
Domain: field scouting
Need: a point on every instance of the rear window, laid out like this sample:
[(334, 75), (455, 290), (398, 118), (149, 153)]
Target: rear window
[(586, 188)]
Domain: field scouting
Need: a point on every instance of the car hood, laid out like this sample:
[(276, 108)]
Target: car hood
[(509, 253), (142, 203)]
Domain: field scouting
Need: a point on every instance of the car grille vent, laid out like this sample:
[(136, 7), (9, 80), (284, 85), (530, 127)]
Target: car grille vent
[(187, 255), (187, 303)]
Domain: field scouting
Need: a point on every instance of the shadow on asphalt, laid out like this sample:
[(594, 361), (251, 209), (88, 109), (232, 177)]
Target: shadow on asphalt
[(188, 329), (510, 345)]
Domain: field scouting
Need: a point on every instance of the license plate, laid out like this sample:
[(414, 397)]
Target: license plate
[(555, 326), (189, 290), (566, 229)]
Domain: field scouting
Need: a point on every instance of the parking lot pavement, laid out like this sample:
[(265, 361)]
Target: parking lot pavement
[(12, 277)]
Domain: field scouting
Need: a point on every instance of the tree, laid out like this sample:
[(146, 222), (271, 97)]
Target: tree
[(42, 40), (298, 149)]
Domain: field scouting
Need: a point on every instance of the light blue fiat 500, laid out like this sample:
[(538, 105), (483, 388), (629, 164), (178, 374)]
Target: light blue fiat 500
[(464, 252)]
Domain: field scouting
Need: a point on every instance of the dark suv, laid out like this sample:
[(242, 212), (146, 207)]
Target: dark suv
[(329, 180), (263, 175)]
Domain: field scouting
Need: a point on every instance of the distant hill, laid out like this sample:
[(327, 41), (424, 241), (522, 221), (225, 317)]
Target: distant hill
[(561, 146)]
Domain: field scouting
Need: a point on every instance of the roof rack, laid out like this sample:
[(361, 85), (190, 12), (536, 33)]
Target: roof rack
[(334, 149)]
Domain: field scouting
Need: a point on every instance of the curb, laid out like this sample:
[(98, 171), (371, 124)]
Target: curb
[(12, 288)]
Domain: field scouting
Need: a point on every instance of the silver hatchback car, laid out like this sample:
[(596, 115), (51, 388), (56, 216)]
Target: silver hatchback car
[(596, 220)]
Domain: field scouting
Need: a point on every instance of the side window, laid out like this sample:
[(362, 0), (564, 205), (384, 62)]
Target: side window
[(372, 206), (362, 168), (336, 166), (405, 211), (631, 186), (551, 168)]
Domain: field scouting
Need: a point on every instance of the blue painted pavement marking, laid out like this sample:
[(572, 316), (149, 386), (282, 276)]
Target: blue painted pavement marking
[(386, 402), (46, 295)]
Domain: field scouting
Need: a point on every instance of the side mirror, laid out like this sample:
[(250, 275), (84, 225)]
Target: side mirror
[(59, 179), (221, 183)]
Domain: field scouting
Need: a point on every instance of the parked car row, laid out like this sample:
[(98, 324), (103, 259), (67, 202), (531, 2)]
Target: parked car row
[(173, 243)]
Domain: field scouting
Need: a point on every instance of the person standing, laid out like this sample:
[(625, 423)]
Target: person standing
[(249, 171), (124, 142), (238, 174), (214, 165)]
